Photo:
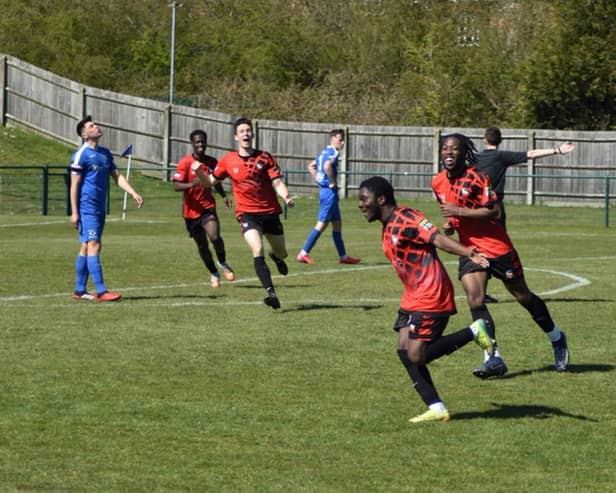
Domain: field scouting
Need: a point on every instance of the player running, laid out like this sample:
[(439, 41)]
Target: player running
[(410, 242), (256, 179), (471, 208), (199, 209)]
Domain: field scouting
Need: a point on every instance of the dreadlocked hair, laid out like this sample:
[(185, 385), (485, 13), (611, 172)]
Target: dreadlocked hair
[(468, 147)]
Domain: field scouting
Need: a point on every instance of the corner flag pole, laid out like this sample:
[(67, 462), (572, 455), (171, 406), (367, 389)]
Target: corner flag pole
[(127, 152)]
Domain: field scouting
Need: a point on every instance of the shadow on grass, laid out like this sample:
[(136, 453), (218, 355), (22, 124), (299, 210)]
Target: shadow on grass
[(174, 297), (510, 411), (328, 306), (503, 301), (570, 369)]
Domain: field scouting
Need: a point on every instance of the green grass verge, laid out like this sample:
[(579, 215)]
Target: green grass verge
[(183, 388)]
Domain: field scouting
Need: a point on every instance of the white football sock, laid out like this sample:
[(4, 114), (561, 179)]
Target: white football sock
[(438, 407), (554, 334)]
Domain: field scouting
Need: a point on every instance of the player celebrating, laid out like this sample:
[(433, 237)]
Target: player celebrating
[(91, 167), (256, 178), (324, 169), (199, 208), (470, 207), (494, 162), (410, 243)]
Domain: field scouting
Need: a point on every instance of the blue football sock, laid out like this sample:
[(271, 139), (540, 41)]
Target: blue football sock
[(311, 240), (81, 274), (337, 237), (96, 271)]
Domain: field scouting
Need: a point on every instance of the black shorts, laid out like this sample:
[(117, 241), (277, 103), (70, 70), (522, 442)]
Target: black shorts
[(425, 326), (193, 226), (263, 223), (507, 268)]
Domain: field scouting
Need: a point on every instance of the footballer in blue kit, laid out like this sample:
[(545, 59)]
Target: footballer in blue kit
[(91, 166), (324, 169), (94, 166)]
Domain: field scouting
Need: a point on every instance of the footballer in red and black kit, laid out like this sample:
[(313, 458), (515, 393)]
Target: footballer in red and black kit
[(199, 207), (409, 241), (257, 183), (197, 198), (251, 177), (470, 208)]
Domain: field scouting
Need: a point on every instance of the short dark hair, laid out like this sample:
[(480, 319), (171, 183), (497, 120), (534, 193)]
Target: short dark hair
[(82, 123), (379, 186), (493, 136), (241, 121), (336, 131), (196, 132)]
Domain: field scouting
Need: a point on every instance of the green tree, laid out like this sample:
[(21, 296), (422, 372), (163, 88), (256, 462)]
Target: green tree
[(416, 62), (571, 83)]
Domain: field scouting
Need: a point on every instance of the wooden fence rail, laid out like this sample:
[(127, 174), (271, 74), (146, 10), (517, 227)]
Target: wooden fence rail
[(40, 101)]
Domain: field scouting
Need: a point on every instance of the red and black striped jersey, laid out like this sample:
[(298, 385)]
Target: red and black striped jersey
[(197, 198), (251, 178), (407, 242), (473, 190)]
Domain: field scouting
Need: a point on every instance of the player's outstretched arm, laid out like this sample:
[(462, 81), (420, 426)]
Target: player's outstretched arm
[(565, 148)]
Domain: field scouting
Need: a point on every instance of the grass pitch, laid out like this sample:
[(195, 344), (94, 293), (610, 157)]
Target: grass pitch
[(180, 387)]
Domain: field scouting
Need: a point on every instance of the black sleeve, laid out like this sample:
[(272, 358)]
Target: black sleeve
[(510, 158), (220, 190)]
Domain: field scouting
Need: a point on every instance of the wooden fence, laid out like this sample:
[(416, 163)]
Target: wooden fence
[(40, 101)]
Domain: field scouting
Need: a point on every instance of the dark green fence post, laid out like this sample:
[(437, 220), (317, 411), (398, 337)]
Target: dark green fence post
[(607, 201), (45, 189), (67, 197), (286, 207)]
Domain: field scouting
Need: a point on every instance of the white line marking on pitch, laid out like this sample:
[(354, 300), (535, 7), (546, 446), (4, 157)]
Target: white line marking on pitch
[(578, 282), (68, 222)]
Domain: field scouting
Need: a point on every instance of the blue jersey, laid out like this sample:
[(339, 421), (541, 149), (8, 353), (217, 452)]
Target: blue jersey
[(95, 166), (328, 154)]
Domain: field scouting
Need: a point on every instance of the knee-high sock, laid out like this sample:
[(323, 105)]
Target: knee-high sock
[(448, 344), (540, 313), (313, 236), (96, 271), (264, 274), (219, 246), (81, 274), (206, 256), (337, 237), (420, 376)]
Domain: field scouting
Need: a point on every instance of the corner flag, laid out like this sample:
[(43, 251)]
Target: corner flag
[(127, 152)]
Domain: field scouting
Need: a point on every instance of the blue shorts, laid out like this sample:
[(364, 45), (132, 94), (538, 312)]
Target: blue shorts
[(91, 227), (329, 209)]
